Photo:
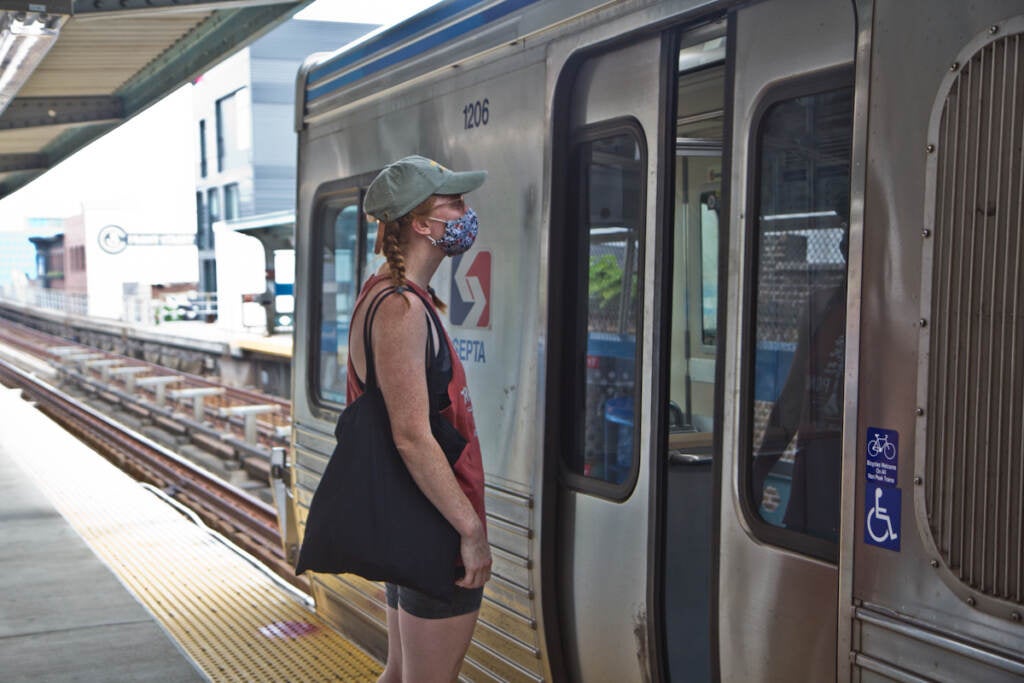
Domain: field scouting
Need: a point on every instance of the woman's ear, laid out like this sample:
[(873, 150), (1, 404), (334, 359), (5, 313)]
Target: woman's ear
[(421, 226)]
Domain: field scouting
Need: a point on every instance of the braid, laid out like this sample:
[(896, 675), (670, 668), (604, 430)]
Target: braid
[(393, 252), (438, 303)]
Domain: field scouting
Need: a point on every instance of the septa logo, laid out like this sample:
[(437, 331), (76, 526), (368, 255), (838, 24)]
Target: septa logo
[(471, 289)]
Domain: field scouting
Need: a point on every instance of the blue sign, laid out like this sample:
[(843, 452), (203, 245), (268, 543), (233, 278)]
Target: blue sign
[(882, 516), (883, 456)]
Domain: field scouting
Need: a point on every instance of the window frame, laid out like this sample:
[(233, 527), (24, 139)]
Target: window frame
[(814, 83), (219, 120), (200, 216), (229, 190), (202, 148), (574, 280), (329, 195), (213, 211)]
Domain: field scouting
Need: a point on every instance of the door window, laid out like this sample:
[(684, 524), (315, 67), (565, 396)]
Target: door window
[(609, 232), (796, 408)]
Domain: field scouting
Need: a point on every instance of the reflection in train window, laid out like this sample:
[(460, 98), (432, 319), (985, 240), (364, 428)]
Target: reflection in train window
[(371, 261), (709, 266), (610, 230), (800, 312), (340, 258)]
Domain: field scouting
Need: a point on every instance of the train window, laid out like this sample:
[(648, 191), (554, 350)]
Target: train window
[(796, 414), (609, 230), (371, 261), (339, 287)]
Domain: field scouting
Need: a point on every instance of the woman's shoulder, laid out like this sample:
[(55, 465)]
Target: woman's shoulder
[(396, 306)]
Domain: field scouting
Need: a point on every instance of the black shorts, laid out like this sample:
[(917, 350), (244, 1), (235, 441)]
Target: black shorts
[(466, 600)]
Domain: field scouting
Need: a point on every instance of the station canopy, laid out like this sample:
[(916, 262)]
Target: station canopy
[(73, 70)]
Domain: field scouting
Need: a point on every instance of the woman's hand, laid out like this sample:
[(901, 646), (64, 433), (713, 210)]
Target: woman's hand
[(476, 558)]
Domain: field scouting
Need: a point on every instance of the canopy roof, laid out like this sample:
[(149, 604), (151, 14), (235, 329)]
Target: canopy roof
[(110, 60)]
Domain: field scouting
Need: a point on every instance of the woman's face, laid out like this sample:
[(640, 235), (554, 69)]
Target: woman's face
[(452, 225), (448, 207)]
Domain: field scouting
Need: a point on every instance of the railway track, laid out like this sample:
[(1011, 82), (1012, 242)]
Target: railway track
[(238, 427), (246, 521)]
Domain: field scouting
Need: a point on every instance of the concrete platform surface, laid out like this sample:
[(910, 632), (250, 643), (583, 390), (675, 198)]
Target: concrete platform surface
[(100, 574), (64, 616)]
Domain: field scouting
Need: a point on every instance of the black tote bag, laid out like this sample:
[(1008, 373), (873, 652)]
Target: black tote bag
[(368, 516)]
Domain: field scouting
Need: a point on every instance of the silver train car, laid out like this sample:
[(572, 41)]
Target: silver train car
[(744, 327)]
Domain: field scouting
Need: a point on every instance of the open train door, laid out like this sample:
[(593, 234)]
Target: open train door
[(935, 586), (601, 272), (635, 390)]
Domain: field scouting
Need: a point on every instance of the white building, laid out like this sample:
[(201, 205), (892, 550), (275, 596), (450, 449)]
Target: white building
[(244, 109)]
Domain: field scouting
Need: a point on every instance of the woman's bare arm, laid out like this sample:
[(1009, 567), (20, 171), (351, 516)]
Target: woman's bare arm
[(399, 344)]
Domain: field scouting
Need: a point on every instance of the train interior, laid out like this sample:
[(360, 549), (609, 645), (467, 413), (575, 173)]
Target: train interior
[(696, 202)]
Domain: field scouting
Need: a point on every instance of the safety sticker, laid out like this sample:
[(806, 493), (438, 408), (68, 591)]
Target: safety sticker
[(883, 451), (882, 517)]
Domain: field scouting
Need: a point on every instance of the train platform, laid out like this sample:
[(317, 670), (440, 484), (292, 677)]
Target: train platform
[(191, 334), (105, 579)]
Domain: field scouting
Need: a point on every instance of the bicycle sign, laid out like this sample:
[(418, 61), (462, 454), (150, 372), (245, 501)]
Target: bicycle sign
[(883, 447), (882, 517)]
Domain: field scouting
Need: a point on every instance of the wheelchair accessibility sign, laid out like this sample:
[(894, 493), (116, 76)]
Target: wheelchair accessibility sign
[(882, 517)]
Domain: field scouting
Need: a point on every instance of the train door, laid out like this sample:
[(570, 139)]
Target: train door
[(599, 383), (639, 308), (783, 414)]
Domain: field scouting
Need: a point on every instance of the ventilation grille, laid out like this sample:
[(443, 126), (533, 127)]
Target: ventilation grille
[(975, 438)]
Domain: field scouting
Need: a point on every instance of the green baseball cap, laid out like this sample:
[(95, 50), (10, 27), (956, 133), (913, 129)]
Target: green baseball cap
[(405, 184)]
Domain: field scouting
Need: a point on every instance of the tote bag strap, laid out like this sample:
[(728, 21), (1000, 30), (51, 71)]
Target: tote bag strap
[(371, 314)]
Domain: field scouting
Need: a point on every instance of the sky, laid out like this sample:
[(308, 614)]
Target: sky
[(111, 170)]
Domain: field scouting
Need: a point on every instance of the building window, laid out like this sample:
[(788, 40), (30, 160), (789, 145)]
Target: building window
[(213, 206), (55, 259), (231, 209), (77, 260), (200, 221), (209, 275), (202, 148), (233, 130)]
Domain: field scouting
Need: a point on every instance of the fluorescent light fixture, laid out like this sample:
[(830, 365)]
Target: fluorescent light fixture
[(793, 216), (25, 38), (604, 232), (711, 52)]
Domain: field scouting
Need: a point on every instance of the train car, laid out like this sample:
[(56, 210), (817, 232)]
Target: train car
[(743, 327)]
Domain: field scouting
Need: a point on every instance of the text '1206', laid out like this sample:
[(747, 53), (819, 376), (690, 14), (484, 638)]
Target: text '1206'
[(476, 114)]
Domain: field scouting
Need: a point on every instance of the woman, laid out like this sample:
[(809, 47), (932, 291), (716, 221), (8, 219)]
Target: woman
[(423, 218)]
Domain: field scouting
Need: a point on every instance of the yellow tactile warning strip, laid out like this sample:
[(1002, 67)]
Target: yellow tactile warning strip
[(235, 622)]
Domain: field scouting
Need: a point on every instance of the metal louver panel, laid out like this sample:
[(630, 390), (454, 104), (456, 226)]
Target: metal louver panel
[(974, 459)]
